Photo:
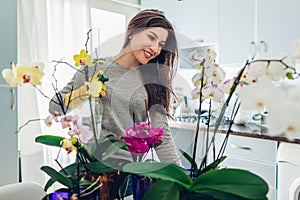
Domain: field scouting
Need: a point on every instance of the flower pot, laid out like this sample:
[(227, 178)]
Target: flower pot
[(67, 195), (140, 185)]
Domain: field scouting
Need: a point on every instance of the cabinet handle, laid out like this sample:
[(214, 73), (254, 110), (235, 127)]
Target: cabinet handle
[(13, 99), (252, 50), (263, 47), (240, 147)]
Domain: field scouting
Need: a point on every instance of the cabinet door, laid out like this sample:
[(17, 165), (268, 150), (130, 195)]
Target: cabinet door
[(278, 25), (8, 142), (236, 30), (194, 19), (183, 139)]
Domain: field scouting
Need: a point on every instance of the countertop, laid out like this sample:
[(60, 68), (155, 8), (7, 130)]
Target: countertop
[(253, 130)]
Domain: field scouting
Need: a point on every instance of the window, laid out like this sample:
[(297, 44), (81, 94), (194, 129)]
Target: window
[(111, 17), (108, 31)]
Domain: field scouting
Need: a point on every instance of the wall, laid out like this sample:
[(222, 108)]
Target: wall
[(126, 7)]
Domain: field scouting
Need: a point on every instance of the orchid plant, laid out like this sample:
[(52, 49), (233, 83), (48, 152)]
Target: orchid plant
[(83, 177), (257, 87), (264, 77), (205, 181)]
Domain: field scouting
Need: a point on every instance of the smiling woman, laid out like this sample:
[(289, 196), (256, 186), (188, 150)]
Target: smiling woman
[(140, 81), (145, 45)]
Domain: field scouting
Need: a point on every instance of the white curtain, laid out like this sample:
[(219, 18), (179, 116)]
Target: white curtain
[(47, 30)]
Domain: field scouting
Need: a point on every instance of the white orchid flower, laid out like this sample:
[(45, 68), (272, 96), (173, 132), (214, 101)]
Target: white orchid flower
[(260, 95), (85, 134), (276, 71), (193, 57), (227, 85), (215, 74), (213, 92), (283, 118), (196, 79), (271, 67), (295, 94), (296, 49), (195, 93), (210, 56)]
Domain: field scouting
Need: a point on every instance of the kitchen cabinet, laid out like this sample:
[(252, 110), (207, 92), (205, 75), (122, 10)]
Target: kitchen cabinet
[(8, 105), (248, 147), (253, 154), (238, 27), (263, 25), (184, 140), (236, 30), (277, 24), (193, 19)]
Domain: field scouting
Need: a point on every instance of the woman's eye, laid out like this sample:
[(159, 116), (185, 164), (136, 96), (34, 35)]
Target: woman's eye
[(161, 45), (151, 37)]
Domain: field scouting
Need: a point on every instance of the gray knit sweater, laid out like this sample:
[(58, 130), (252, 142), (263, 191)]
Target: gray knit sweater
[(125, 95)]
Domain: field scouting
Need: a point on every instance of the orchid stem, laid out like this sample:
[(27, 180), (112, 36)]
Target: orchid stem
[(197, 127)]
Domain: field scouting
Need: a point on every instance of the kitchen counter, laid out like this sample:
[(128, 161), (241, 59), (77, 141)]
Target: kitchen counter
[(247, 130)]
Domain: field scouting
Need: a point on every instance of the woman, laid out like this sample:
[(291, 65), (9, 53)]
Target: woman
[(139, 86)]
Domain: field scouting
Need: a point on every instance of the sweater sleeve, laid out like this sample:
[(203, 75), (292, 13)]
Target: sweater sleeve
[(166, 151)]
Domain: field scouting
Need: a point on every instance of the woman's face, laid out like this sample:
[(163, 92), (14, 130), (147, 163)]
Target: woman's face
[(147, 44)]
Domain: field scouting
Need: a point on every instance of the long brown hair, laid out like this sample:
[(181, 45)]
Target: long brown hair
[(159, 72)]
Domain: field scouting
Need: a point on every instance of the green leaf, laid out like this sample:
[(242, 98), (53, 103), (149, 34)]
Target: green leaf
[(49, 140), (100, 141), (113, 148), (100, 167), (213, 165), (163, 190), (237, 182), (216, 195), (124, 186), (190, 159), (213, 194), (86, 154), (56, 176), (161, 170), (70, 169)]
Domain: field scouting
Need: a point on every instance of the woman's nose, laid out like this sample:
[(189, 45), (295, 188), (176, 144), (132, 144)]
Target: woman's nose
[(155, 48)]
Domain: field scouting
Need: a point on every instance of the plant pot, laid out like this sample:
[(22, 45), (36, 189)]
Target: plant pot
[(67, 195), (140, 185)]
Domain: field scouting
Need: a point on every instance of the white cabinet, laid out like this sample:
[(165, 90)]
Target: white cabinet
[(270, 24), (236, 30), (8, 114), (253, 154), (184, 140), (278, 24), (193, 19)]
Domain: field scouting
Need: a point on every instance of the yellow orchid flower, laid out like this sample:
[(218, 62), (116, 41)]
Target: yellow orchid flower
[(83, 59), (20, 74), (9, 75), (69, 144)]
